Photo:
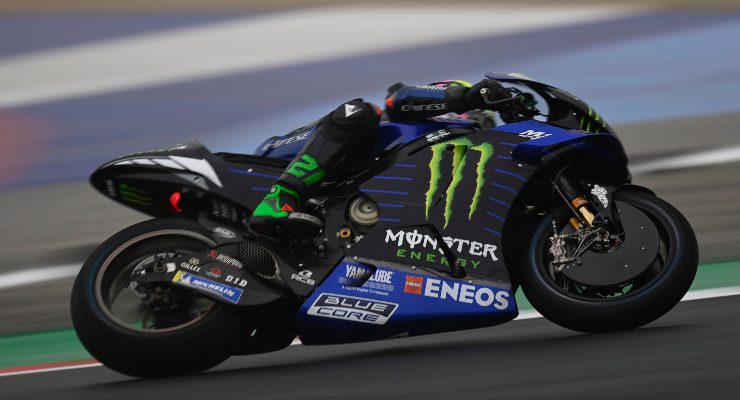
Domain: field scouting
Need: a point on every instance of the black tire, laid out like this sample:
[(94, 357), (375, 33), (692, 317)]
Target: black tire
[(265, 341), (653, 299), (193, 347)]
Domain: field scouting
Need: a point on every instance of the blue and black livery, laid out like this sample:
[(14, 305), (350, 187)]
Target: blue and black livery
[(437, 234)]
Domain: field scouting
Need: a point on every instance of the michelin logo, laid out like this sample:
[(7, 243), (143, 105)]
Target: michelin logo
[(228, 293)]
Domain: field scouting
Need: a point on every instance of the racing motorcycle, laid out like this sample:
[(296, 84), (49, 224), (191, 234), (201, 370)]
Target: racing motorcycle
[(434, 234)]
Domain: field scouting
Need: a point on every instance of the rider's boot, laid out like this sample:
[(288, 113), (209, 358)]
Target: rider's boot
[(279, 213)]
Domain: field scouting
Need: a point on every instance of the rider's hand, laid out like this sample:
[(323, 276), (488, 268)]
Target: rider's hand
[(520, 109), (462, 99), (475, 100)]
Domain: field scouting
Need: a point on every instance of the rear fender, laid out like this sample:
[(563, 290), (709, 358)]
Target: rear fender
[(152, 182)]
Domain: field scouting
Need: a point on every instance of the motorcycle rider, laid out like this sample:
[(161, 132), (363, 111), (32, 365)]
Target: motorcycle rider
[(350, 128)]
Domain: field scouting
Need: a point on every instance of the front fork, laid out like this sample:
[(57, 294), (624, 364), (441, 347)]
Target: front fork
[(572, 194), (567, 248)]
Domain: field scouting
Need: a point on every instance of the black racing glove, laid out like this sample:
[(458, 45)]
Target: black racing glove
[(462, 99)]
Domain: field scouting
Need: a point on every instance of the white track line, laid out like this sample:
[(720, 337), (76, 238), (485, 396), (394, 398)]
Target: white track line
[(692, 295), (51, 369), (698, 159), (29, 277), (263, 42)]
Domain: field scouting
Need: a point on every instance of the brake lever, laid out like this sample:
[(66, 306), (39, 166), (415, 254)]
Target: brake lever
[(524, 110), (485, 92)]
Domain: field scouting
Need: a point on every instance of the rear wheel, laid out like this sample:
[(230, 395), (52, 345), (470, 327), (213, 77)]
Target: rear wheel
[(153, 331), (655, 288)]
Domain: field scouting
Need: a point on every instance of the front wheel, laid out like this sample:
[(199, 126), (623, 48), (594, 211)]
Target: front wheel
[(152, 331), (611, 306)]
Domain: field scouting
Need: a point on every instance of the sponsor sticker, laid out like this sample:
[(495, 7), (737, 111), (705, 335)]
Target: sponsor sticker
[(236, 280), (434, 136), (485, 150), (458, 292), (360, 279), (350, 308), (534, 135), (600, 194), (423, 107), (304, 277), (293, 139), (413, 284), (416, 246), (214, 272), (228, 260), (191, 265), (355, 275), (228, 293), (225, 233)]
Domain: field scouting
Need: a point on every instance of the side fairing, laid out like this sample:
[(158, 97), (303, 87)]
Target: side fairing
[(397, 301), (396, 281), (443, 203), (545, 142), (464, 188)]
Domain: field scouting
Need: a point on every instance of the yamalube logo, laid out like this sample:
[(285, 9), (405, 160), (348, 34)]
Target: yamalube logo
[(362, 279), (350, 308), (416, 246), (461, 148), (355, 274)]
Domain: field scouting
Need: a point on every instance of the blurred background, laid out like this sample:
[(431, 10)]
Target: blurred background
[(84, 81)]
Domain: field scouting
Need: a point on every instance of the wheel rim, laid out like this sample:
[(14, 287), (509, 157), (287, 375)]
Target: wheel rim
[(159, 309), (642, 282)]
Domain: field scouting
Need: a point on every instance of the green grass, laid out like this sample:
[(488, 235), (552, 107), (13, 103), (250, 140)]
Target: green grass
[(62, 345)]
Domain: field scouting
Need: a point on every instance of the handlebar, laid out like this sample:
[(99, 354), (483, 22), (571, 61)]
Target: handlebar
[(521, 105)]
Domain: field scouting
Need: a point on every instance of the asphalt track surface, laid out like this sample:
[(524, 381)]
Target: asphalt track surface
[(690, 353)]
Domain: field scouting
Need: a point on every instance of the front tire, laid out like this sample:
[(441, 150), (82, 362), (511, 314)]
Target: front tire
[(587, 310), (172, 345)]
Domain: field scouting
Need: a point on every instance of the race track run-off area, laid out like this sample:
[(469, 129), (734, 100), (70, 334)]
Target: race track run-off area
[(681, 356), (80, 88)]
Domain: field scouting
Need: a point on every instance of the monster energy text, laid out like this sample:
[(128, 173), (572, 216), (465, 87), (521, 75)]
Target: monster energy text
[(461, 146), (426, 248)]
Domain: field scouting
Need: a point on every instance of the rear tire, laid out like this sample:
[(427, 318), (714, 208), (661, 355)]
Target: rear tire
[(208, 340), (655, 297)]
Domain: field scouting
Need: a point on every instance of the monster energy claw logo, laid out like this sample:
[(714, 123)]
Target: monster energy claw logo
[(459, 155)]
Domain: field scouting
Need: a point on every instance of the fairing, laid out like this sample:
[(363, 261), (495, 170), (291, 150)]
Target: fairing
[(435, 260)]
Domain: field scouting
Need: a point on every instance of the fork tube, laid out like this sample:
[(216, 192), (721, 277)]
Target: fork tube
[(573, 196)]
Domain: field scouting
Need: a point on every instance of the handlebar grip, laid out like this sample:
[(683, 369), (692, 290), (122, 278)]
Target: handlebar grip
[(484, 92)]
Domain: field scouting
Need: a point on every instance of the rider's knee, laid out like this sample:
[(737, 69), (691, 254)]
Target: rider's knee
[(351, 121)]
